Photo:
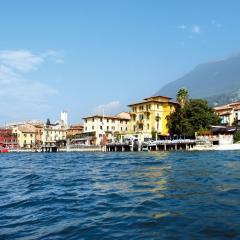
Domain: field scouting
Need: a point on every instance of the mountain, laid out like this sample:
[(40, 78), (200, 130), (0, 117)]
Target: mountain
[(218, 82)]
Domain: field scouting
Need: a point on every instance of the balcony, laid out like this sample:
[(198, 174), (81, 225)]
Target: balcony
[(140, 122)]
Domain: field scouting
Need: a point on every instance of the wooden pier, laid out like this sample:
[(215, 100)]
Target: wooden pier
[(164, 145)]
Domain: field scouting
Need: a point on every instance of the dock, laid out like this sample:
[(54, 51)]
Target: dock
[(161, 145)]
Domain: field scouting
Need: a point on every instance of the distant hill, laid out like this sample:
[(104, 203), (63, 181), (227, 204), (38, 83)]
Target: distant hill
[(218, 82)]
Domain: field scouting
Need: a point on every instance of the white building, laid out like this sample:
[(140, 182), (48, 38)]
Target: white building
[(99, 127), (57, 132)]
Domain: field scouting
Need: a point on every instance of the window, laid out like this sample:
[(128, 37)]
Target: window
[(113, 128), (121, 128), (31, 135), (93, 120), (85, 128), (100, 127), (25, 135), (126, 128), (107, 127), (92, 127), (100, 135), (85, 120)]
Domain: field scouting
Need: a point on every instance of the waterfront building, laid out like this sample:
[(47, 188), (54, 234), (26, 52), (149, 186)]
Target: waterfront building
[(229, 113), (150, 115), (74, 130), (8, 138), (38, 134), (99, 129), (29, 133), (25, 135), (54, 134)]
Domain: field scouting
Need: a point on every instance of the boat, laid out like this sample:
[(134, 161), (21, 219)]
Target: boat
[(4, 149)]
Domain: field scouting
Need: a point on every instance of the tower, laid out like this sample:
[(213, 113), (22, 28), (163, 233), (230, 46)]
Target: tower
[(64, 118)]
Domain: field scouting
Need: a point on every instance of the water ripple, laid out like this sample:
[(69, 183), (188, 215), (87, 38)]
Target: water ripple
[(154, 195)]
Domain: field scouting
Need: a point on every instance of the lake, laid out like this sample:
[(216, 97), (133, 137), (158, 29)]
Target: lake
[(156, 195)]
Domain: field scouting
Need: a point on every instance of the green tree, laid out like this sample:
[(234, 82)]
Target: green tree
[(182, 97), (154, 134), (193, 117), (117, 135), (236, 136)]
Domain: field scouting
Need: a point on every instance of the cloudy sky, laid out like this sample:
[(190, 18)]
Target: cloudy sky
[(85, 55)]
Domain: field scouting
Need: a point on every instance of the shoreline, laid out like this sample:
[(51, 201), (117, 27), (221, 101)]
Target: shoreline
[(230, 147)]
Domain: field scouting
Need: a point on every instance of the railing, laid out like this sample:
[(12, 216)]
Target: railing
[(164, 142)]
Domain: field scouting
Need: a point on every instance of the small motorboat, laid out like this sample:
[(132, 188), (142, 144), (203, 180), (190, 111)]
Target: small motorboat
[(4, 149)]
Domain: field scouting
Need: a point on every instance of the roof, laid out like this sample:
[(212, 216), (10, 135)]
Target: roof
[(234, 105), (157, 96), (25, 129), (151, 101), (107, 117), (76, 126)]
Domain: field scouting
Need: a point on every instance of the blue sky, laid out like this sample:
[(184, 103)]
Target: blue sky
[(81, 56)]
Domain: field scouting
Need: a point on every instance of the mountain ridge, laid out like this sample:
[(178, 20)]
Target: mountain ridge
[(217, 81)]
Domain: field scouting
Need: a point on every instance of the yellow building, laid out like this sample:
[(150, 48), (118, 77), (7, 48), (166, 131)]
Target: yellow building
[(150, 115), (26, 136)]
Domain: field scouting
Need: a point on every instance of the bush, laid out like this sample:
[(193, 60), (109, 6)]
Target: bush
[(236, 136)]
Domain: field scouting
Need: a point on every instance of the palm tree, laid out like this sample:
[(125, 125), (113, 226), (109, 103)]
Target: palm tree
[(182, 97)]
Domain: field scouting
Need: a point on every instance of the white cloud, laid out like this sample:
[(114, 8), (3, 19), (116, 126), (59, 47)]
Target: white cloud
[(21, 60), (109, 108), (20, 96), (196, 29)]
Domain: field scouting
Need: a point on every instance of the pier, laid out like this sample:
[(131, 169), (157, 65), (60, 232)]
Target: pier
[(162, 145)]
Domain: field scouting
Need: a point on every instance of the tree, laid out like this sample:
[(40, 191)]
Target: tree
[(236, 136), (48, 122), (196, 115), (182, 97), (154, 134), (117, 136)]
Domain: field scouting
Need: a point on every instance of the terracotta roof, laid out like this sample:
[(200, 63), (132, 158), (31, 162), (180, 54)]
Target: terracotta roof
[(76, 126), (157, 96), (228, 106), (152, 101), (234, 103), (107, 117), (222, 107), (25, 129)]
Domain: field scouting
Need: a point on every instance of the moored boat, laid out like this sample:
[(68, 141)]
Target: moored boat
[(4, 149)]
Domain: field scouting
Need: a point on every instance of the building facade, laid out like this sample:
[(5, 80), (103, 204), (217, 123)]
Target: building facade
[(150, 115), (74, 130), (8, 138), (229, 113), (99, 129), (26, 136), (54, 134)]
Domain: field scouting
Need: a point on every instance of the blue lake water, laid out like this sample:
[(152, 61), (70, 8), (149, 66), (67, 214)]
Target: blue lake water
[(177, 195)]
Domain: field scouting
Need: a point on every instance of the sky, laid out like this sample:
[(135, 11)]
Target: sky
[(84, 56)]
